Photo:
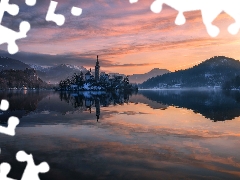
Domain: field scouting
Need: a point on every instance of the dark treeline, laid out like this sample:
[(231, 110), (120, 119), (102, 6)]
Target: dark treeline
[(21, 79), (232, 84)]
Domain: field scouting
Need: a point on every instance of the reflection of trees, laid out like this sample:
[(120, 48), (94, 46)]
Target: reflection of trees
[(21, 102), (95, 99), (215, 105)]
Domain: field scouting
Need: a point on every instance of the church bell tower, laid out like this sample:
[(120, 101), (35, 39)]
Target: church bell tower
[(97, 70)]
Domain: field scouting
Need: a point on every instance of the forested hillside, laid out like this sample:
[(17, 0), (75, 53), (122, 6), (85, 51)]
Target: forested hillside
[(212, 72), (19, 79)]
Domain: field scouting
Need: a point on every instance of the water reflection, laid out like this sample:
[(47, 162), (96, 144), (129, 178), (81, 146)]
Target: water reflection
[(92, 99), (148, 135), (21, 103), (214, 105)]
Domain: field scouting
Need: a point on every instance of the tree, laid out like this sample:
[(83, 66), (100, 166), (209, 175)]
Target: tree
[(80, 79)]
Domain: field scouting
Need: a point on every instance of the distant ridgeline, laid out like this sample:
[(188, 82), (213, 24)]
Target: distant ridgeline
[(218, 71), (20, 79), (97, 82)]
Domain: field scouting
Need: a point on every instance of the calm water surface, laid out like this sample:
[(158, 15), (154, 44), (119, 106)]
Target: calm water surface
[(149, 135)]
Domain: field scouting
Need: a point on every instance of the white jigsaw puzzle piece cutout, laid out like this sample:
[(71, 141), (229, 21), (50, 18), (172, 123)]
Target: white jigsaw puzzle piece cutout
[(210, 10), (31, 171), (4, 170), (4, 105), (30, 2), (12, 9), (51, 16), (12, 124), (12, 121), (7, 35), (133, 1), (76, 11), (4, 167)]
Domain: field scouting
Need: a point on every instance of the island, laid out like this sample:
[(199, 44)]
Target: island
[(96, 81)]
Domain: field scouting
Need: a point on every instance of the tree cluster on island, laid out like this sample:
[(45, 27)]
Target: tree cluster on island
[(78, 82)]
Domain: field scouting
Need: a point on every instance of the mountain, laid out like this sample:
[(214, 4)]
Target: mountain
[(19, 79), (140, 78), (212, 72), (49, 74), (56, 73), (38, 67), (116, 74), (8, 63)]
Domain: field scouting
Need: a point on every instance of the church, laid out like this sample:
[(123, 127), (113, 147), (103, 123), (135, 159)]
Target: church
[(96, 81), (97, 70), (89, 75)]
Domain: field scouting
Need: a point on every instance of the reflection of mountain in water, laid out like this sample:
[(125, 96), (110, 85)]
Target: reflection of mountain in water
[(94, 99), (139, 98), (215, 105), (21, 103)]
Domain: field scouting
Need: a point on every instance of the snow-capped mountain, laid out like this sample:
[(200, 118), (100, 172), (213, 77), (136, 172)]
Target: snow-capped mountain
[(56, 73), (80, 68), (49, 74), (38, 67)]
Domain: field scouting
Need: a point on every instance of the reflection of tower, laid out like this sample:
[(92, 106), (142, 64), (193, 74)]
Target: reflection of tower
[(97, 105), (97, 70)]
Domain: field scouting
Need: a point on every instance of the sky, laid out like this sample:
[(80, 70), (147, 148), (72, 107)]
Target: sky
[(129, 38)]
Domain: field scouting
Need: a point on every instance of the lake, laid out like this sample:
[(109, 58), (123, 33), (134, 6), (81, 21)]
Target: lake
[(165, 134)]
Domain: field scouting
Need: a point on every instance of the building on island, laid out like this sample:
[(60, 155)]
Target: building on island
[(97, 70), (88, 75), (104, 77), (100, 82)]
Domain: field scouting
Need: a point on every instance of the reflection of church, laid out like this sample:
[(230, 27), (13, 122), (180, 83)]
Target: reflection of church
[(89, 76), (98, 110), (90, 102), (87, 100)]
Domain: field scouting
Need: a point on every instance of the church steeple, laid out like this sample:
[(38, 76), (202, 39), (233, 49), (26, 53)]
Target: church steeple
[(97, 70)]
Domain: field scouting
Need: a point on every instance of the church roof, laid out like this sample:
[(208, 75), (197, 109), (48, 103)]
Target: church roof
[(88, 73)]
